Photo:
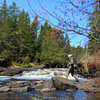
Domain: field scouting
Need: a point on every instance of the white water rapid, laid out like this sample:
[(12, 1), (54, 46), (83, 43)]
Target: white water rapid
[(42, 74)]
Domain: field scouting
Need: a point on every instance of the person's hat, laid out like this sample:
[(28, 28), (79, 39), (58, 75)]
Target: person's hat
[(69, 55)]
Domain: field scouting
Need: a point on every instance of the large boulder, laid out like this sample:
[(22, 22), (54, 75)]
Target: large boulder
[(57, 83), (63, 83), (45, 84)]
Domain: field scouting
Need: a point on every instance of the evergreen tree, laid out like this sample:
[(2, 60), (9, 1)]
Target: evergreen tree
[(94, 24), (4, 36), (41, 39), (53, 49), (34, 33)]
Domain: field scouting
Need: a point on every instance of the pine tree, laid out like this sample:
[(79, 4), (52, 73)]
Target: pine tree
[(41, 39), (4, 36), (53, 48), (94, 24), (33, 37)]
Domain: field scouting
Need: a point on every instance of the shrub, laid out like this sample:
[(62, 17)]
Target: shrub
[(93, 66)]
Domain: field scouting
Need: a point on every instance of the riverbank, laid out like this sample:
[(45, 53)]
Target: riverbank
[(13, 70)]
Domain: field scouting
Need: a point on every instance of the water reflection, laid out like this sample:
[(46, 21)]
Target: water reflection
[(55, 95), (62, 95)]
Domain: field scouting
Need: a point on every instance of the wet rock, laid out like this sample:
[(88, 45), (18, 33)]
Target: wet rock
[(14, 71), (92, 90), (29, 84), (69, 90), (46, 90), (22, 89), (45, 84), (11, 71), (14, 85), (4, 89), (63, 84)]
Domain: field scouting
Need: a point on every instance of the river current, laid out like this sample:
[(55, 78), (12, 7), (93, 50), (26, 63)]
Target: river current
[(45, 74)]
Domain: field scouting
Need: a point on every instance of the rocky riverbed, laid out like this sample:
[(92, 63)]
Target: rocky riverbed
[(50, 87), (56, 83)]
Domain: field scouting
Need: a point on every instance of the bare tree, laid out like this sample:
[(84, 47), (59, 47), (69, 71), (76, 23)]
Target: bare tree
[(71, 15)]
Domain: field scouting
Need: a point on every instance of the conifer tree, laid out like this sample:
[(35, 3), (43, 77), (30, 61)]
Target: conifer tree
[(94, 24)]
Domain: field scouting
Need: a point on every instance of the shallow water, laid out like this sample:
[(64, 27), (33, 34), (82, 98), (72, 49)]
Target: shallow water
[(44, 74), (55, 95)]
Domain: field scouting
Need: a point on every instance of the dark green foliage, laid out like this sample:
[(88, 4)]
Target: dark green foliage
[(17, 35), (54, 48), (21, 43), (94, 24)]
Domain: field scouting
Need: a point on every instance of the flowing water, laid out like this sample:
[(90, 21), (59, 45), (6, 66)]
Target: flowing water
[(44, 74)]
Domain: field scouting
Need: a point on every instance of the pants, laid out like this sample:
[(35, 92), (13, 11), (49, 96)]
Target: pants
[(71, 70)]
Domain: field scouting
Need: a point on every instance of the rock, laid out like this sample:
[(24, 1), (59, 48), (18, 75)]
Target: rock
[(45, 84), (92, 90), (22, 89), (29, 84), (69, 90), (11, 71), (46, 90), (14, 85), (87, 84), (63, 84), (4, 89)]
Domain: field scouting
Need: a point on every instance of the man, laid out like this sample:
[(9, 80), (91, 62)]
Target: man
[(71, 67)]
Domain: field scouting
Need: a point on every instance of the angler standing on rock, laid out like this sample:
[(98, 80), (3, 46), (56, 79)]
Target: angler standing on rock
[(71, 67)]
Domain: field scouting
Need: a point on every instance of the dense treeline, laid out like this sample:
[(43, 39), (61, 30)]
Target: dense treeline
[(19, 41), (17, 35), (23, 40)]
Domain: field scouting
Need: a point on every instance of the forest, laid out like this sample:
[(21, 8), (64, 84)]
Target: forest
[(24, 41)]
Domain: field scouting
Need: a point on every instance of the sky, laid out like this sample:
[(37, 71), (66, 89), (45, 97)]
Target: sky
[(75, 40)]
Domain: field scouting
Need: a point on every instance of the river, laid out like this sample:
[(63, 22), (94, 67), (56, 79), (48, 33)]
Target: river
[(44, 74)]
